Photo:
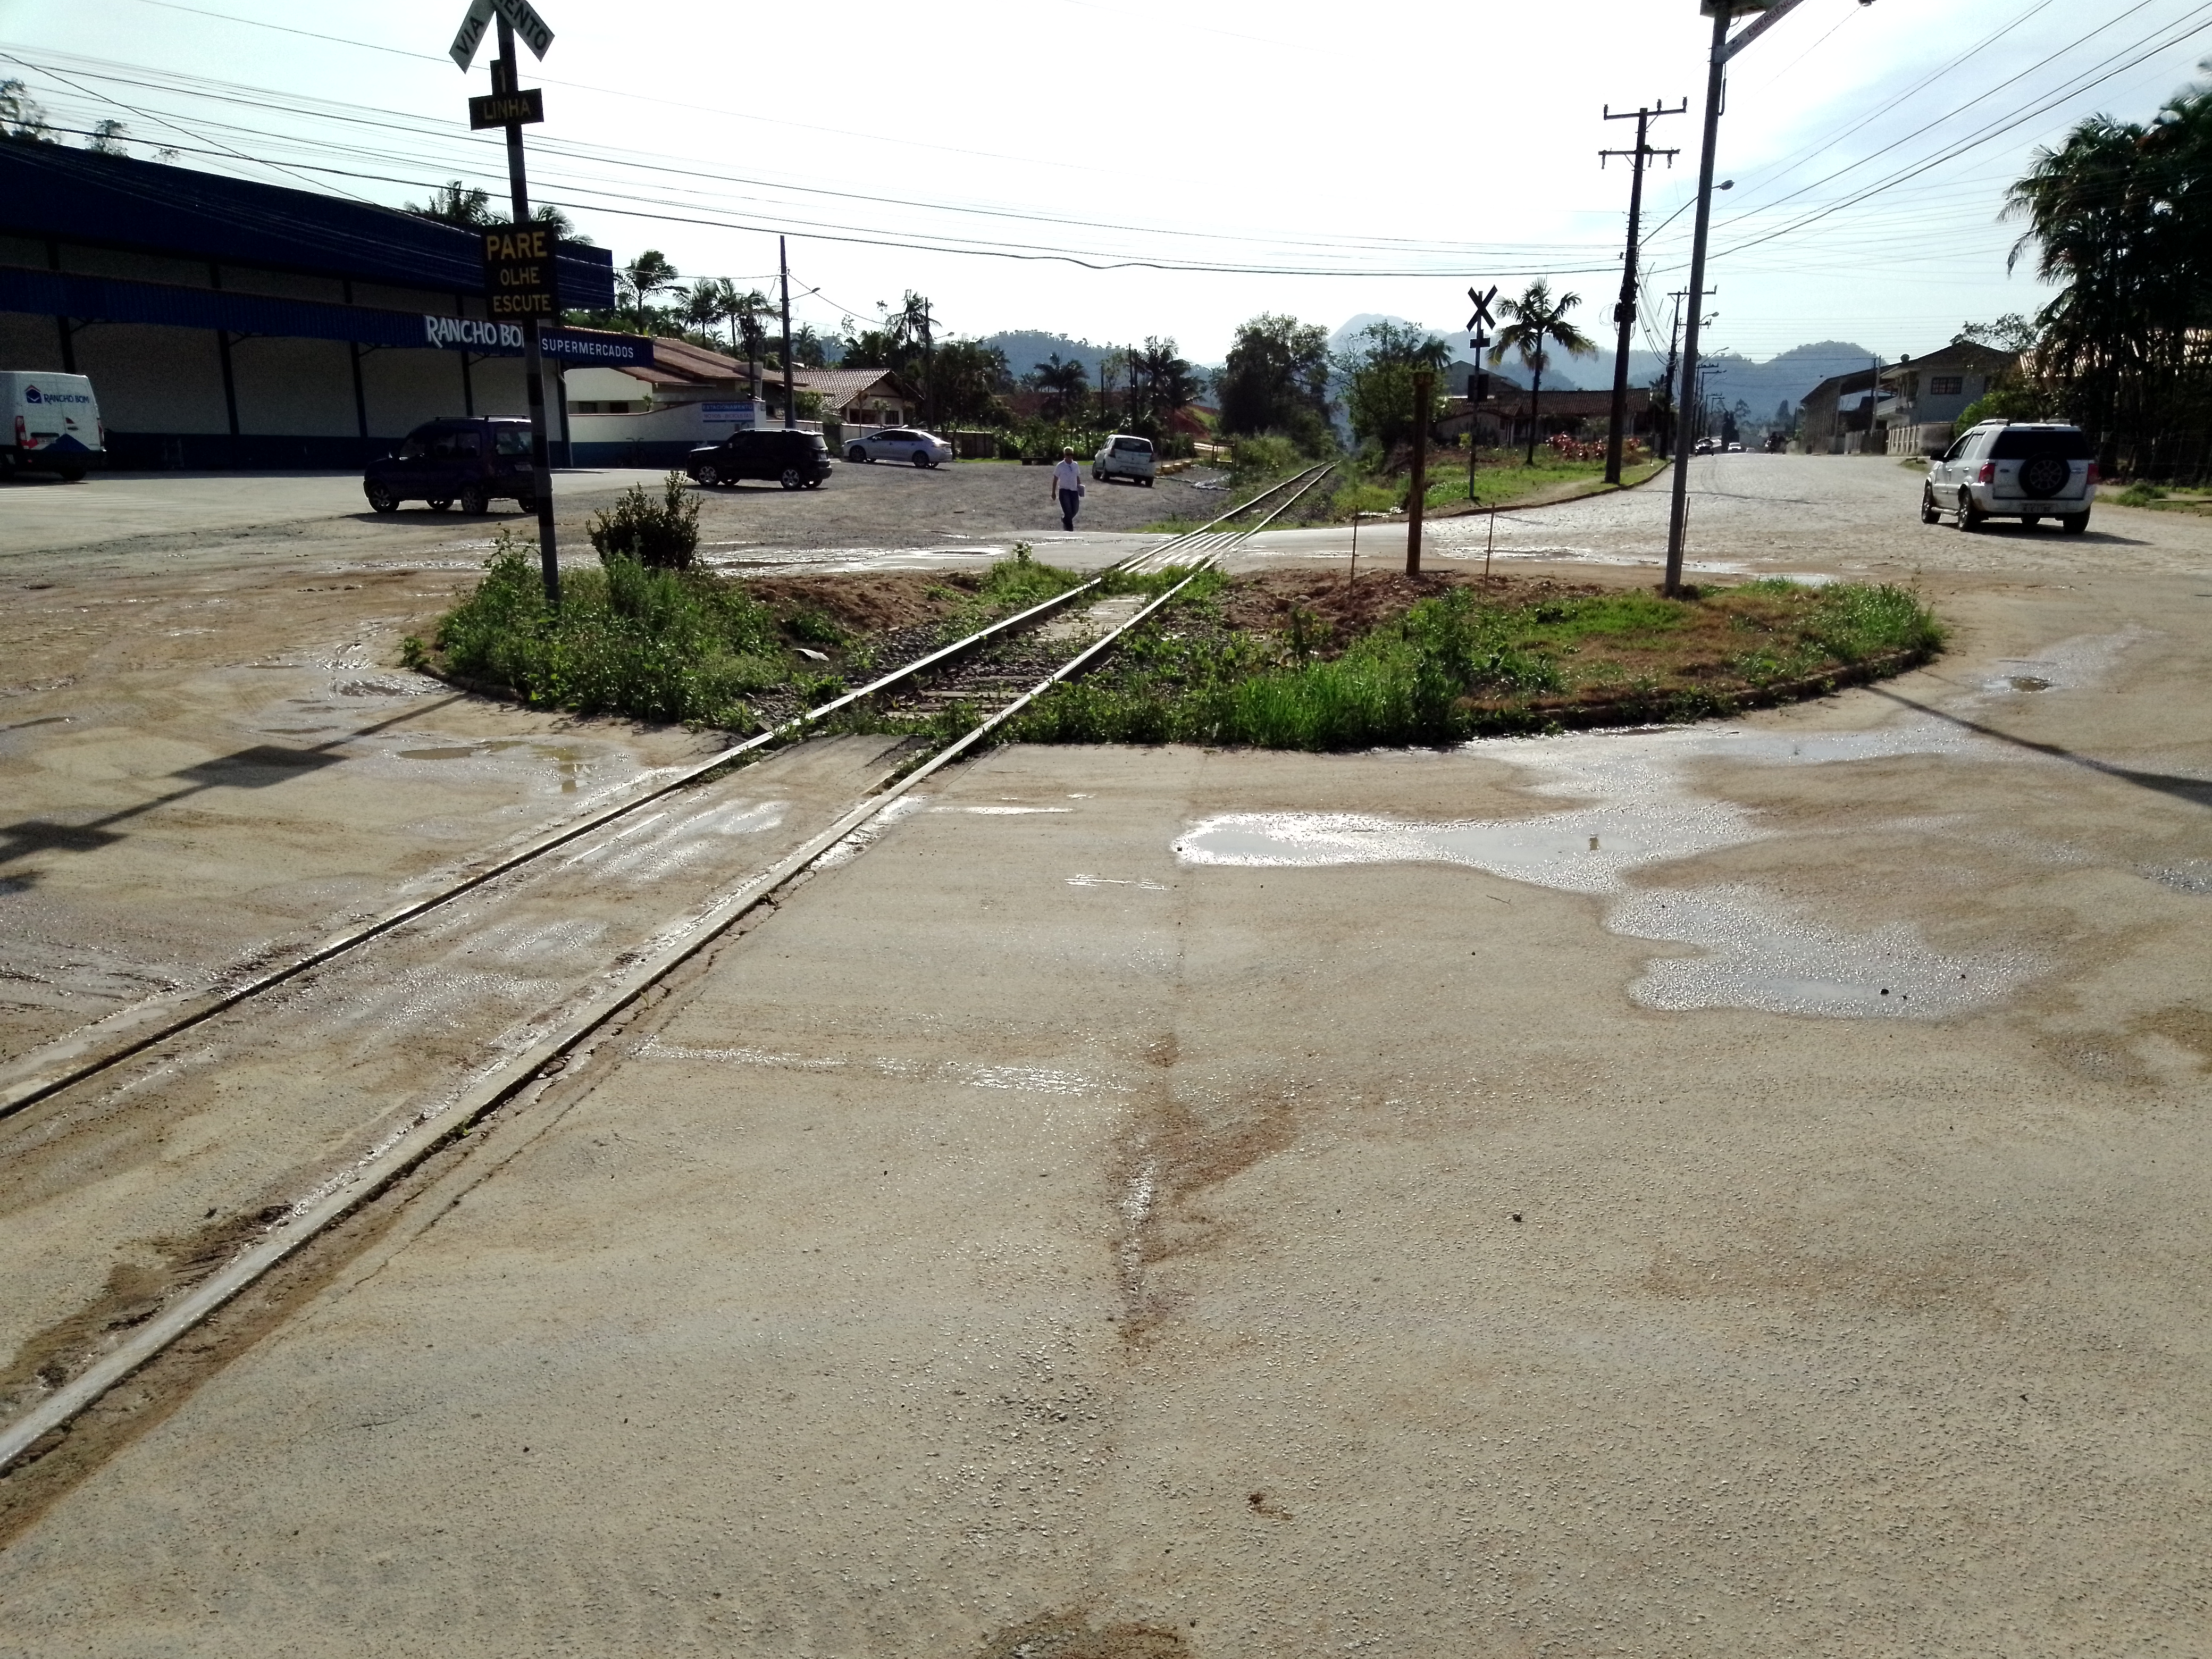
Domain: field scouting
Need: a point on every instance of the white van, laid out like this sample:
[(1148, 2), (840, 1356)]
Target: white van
[(1125, 456), (49, 423)]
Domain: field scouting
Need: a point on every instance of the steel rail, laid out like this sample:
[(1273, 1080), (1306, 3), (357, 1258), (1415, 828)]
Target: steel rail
[(377, 1174), (66, 1061)]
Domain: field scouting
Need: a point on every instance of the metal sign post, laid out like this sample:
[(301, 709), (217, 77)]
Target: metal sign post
[(1478, 383), (519, 261)]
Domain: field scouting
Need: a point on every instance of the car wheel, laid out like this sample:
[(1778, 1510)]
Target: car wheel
[(922, 458), (72, 475), (2028, 521), (380, 499), (2074, 524), (790, 478), (475, 502), (1147, 482), (1970, 516), (1929, 514), (438, 503), (814, 484), (1098, 475), (856, 455), (709, 477), (526, 506)]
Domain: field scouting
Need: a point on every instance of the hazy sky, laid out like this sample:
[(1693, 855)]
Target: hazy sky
[(1375, 158)]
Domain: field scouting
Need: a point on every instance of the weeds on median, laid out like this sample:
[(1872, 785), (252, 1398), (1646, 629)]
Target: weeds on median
[(1462, 662)]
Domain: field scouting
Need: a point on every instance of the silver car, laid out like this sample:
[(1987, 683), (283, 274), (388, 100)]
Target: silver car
[(2025, 469), (900, 443)]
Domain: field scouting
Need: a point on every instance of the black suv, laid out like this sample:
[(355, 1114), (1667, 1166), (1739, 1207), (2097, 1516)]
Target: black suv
[(469, 461), (794, 459)]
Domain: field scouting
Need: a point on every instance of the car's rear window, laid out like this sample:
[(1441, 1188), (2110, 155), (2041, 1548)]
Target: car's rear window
[(2024, 443), (1134, 446), (511, 439)]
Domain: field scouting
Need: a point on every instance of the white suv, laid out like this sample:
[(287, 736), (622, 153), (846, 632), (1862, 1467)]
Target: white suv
[(2028, 470), (1125, 456)]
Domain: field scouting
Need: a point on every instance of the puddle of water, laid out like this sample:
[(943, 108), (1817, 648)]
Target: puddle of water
[(1756, 952), (1136, 882), (1001, 811)]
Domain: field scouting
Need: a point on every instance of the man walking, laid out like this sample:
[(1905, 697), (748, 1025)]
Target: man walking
[(1067, 484)]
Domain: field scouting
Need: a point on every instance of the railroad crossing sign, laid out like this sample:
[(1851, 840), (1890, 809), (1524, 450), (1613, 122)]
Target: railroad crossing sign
[(1482, 319), (535, 32)]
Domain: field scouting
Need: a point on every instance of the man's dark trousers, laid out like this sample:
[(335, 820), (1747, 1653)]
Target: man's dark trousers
[(1069, 500)]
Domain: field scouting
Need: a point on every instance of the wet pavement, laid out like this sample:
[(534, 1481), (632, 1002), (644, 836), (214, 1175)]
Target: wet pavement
[(1243, 1204)]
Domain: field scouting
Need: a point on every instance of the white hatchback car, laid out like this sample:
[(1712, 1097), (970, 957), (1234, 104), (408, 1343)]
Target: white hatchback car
[(900, 443), (2024, 470), (1125, 456)]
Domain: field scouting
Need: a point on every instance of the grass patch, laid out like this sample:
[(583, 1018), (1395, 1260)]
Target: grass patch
[(1509, 483), (694, 648), (1301, 660)]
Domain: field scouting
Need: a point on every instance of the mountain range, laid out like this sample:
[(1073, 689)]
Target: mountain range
[(1760, 386)]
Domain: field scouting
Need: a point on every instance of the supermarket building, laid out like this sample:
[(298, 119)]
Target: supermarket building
[(228, 323)]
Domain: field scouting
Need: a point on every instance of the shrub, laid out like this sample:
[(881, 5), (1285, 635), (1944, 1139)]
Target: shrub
[(660, 535)]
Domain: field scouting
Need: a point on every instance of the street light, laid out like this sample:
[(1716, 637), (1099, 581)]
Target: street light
[(1723, 13)]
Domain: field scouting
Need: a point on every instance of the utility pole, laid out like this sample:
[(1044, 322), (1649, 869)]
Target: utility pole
[(1624, 313), (1416, 489), (790, 398), (1722, 12)]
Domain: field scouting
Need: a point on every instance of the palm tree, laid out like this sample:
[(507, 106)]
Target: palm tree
[(1532, 320), (703, 303), (1061, 382), (649, 274)]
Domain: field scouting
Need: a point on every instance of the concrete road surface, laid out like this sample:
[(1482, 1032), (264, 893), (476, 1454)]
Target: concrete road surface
[(1728, 1190)]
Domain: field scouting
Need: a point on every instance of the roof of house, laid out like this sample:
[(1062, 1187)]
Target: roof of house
[(77, 196), (839, 386)]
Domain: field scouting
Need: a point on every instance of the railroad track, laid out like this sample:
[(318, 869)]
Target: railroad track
[(382, 1055)]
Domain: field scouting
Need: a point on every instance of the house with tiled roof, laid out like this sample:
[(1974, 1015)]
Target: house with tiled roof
[(656, 415)]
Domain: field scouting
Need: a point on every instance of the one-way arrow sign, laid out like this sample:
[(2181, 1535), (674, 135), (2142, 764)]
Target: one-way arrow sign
[(1482, 319)]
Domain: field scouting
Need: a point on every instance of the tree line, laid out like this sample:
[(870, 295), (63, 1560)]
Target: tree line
[(2119, 215)]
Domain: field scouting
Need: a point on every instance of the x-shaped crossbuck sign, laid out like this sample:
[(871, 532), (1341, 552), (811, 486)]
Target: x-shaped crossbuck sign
[(1482, 319)]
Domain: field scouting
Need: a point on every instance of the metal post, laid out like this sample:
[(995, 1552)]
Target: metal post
[(1625, 313), (505, 78), (1672, 437), (1425, 382), (1715, 73), (790, 397)]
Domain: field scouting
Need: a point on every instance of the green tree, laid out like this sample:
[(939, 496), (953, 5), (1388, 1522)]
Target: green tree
[(703, 304), (1378, 397), (649, 274), (1161, 386), (808, 349), (972, 379), (456, 203), (2120, 216), (1534, 322), (1062, 384), (21, 116), (1276, 379)]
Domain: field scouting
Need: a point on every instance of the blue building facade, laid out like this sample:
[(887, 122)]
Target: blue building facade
[(229, 324)]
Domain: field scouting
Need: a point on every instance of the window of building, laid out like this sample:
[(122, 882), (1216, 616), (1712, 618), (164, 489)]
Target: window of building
[(1946, 385)]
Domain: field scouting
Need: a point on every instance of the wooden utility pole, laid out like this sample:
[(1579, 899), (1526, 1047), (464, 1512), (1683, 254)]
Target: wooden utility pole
[(1624, 313), (1425, 381)]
